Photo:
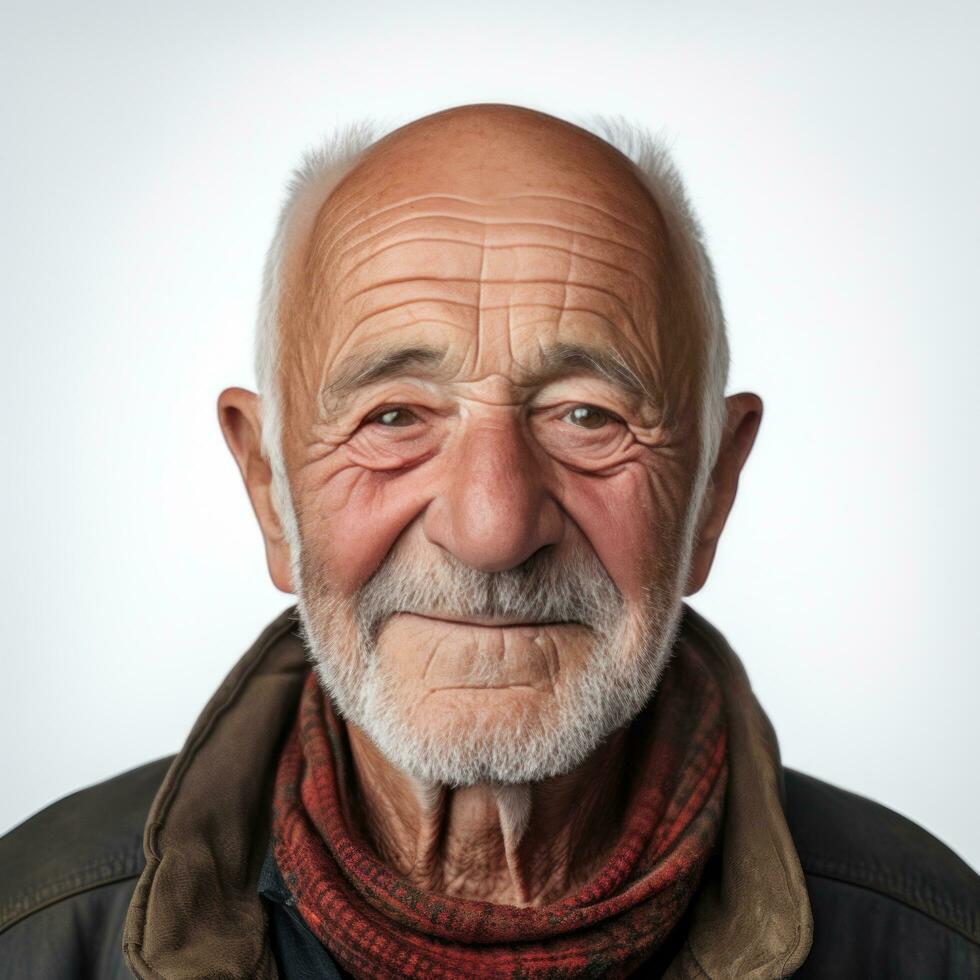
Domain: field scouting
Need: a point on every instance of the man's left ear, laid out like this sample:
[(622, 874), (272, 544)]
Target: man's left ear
[(744, 413)]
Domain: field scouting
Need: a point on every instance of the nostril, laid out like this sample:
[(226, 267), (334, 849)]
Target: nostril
[(546, 551)]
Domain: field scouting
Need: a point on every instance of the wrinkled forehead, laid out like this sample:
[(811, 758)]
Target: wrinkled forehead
[(437, 222)]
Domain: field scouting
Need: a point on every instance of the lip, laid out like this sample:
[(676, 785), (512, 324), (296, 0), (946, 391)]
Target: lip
[(488, 621)]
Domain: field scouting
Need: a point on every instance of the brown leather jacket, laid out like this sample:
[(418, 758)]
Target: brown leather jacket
[(156, 872)]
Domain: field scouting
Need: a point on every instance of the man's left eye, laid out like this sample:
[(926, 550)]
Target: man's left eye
[(394, 418), (588, 417)]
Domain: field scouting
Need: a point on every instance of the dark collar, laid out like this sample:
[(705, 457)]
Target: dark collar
[(298, 953)]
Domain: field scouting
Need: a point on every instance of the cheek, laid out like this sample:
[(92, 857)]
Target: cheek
[(353, 517), (630, 518)]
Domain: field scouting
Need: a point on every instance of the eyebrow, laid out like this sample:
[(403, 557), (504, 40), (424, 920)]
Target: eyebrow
[(555, 360), (377, 365), (380, 364), (605, 363)]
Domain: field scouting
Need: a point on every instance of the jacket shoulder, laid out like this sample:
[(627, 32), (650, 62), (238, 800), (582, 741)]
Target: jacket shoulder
[(92, 838), (848, 837)]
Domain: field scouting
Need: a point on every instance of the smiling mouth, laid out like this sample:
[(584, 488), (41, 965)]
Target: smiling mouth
[(489, 620)]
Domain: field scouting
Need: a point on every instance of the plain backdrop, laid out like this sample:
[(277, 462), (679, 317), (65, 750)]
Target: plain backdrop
[(832, 151)]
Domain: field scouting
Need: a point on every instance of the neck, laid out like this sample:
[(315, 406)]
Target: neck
[(523, 845)]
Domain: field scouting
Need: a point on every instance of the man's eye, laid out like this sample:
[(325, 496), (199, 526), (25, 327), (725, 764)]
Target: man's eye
[(588, 417), (394, 418)]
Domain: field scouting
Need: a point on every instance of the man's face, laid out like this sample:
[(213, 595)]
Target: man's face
[(490, 460)]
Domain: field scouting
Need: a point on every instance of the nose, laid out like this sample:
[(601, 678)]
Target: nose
[(494, 510)]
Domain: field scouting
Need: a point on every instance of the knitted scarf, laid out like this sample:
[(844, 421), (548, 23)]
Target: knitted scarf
[(376, 924)]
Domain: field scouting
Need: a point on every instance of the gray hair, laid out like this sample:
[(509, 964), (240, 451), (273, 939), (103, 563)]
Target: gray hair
[(324, 167)]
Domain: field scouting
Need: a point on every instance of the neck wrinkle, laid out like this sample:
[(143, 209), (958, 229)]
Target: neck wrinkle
[(505, 844)]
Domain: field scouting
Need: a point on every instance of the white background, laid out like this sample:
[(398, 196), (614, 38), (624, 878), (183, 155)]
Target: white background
[(833, 153)]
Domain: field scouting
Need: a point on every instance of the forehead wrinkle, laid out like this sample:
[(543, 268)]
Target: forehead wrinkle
[(482, 224), (476, 280), (347, 208), (337, 239), (583, 204), (485, 202), (415, 299), (481, 282), (560, 308), (557, 308), (624, 270), (323, 246)]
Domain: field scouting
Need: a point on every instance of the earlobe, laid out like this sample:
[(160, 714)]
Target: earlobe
[(241, 425), (744, 415)]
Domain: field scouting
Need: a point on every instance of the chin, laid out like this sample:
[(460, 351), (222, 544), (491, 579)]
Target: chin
[(463, 738), (485, 749)]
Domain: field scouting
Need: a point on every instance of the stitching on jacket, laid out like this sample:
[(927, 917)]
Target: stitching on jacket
[(791, 954), (70, 886), (908, 888), (908, 883), (106, 866), (891, 887)]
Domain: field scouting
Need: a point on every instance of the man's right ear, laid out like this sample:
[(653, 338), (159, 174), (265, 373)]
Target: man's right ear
[(241, 425)]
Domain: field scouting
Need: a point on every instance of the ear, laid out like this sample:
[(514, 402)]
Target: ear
[(744, 413), (241, 424)]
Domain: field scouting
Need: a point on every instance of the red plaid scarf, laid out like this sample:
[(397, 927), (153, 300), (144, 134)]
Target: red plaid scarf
[(376, 924)]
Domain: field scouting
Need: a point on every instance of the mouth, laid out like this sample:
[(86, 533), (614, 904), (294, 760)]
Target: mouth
[(488, 620)]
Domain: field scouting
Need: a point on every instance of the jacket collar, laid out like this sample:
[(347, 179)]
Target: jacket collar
[(752, 918), (196, 910)]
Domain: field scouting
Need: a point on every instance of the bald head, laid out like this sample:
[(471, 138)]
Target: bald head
[(486, 151)]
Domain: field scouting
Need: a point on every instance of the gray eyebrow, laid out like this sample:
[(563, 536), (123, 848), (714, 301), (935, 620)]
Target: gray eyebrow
[(361, 370), (602, 362), (554, 361)]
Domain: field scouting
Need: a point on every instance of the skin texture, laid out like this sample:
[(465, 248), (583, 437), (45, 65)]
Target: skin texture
[(489, 235)]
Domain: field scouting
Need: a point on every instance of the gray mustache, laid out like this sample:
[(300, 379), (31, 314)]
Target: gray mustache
[(544, 588)]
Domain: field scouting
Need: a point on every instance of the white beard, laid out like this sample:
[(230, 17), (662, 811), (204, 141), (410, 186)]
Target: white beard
[(630, 651)]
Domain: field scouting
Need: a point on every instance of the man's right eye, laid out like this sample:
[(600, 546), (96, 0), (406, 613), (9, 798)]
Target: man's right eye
[(392, 418)]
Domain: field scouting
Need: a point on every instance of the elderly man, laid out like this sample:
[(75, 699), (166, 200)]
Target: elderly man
[(492, 454)]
